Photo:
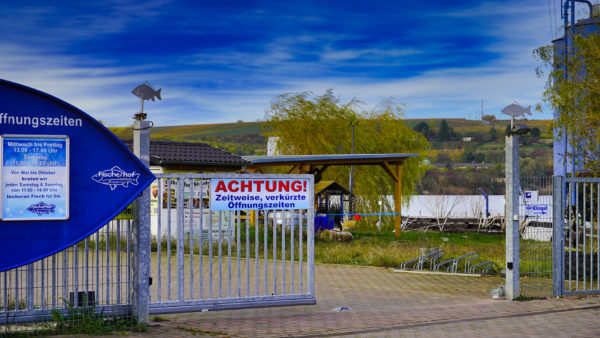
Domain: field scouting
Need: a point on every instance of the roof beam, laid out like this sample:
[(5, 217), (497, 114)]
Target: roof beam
[(295, 167), (388, 169), (255, 169), (318, 172)]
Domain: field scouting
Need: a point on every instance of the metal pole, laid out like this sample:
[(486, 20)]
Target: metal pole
[(141, 229), (350, 208), (573, 45), (512, 217), (558, 224), (380, 211)]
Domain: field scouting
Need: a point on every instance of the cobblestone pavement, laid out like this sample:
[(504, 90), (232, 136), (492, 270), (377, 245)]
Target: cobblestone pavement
[(387, 304)]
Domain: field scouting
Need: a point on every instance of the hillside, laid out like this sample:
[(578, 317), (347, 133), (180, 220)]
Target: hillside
[(240, 135), (466, 154)]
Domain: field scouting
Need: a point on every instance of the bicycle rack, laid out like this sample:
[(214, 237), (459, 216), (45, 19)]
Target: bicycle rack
[(452, 264), (467, 257), (420, 261), (437, 266), (485, 267)]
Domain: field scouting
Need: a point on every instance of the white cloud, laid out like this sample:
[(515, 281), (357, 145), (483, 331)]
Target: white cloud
[(228, 85), (370, 53)]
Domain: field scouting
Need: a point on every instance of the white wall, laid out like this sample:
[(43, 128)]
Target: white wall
[(463, 206)]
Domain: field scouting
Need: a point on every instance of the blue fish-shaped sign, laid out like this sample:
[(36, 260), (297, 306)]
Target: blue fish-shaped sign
[(85, 169), (115, 177), (42, 208)]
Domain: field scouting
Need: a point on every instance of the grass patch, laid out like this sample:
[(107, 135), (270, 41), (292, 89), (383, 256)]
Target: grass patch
[(194, 331), (368, 248), (87, 321), (84, 321), (159, 319), (526, 298), (385, 250)]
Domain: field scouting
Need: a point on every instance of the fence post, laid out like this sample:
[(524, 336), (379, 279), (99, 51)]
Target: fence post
[(310, 238), (141, 229), (558, 250), (511, 218), (30, 288)]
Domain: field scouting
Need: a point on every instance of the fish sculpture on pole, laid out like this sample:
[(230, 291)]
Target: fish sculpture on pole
[(515, 110), (145, 91)]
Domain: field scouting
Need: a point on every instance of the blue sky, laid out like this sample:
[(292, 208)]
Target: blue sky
[(223, 61)]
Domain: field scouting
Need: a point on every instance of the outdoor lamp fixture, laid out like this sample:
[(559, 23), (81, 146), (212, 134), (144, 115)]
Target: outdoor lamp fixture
[(145, 91), (519, 129)]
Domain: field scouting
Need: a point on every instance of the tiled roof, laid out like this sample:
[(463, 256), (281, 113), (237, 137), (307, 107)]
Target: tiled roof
[(170, 152)]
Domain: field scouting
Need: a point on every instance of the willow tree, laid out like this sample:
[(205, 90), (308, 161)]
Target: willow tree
[(308, 125), (573, 89)]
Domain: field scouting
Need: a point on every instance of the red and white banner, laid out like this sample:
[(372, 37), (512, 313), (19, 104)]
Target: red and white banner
[(259, 194)]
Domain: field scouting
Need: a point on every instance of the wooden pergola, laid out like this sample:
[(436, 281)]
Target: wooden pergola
[(317, 164)]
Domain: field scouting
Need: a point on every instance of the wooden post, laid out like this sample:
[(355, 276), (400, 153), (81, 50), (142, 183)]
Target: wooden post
[(398, 199), (250, 217)]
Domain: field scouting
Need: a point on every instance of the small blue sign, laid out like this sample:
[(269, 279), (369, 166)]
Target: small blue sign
[(34, 178), (63, 175), (536, 210)]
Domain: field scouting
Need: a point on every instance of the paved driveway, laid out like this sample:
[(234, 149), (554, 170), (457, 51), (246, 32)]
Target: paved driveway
[(384, 303)]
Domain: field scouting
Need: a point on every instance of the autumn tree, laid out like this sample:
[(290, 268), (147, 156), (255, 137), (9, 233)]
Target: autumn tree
[(307, 124), (573, 89)]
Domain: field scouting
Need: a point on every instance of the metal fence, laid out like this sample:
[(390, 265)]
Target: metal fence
[(200, 260), (581, 230), (204, 259), (93, 276), (535, 246)]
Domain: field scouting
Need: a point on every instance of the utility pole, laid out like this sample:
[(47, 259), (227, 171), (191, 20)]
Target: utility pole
[(511, 218), (351, 209), (141, 210)]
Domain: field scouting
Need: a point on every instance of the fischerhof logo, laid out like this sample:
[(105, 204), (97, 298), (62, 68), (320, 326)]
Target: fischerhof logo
[(115, 177), (41, 208)]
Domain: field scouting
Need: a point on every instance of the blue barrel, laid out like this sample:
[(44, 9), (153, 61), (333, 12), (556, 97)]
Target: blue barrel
[(320, 222), (330, 222)]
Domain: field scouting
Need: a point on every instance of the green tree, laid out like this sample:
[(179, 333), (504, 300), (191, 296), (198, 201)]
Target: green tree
[(444, 132), (467, 157), (535, 133), (307, 124), (423, 128), (572, 88), (493, 135), (479, 158)]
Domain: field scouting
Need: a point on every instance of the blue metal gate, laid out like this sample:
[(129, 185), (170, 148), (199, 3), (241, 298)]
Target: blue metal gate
[(576, 235)]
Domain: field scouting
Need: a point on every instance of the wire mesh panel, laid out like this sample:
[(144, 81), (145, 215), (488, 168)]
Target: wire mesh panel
[(91, 279), (582, 228), (535, 214), (205, 259)]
